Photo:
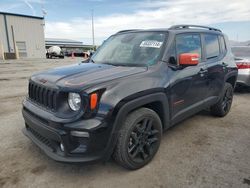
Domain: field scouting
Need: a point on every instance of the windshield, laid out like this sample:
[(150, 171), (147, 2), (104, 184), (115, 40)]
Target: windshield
[(241, 51), (131, 49)]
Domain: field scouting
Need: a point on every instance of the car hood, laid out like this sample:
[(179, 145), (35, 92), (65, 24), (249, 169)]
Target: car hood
[(84, 74)]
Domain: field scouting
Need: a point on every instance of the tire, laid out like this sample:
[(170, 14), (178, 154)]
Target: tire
[(139, 139), (222, 108)]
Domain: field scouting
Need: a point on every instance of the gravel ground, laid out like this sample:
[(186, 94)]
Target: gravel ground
[(202, 151)]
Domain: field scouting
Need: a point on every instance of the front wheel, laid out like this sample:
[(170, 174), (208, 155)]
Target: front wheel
[(224, 105), (139, 139)]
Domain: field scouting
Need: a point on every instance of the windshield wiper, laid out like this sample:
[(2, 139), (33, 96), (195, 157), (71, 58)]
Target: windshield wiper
[(132, 64), (127, 64), (110, 64)]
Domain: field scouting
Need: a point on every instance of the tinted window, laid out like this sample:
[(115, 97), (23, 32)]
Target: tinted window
[(188, 43), (212, 46)]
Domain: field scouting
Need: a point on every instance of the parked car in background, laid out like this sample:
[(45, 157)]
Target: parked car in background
[(79, 53), (54, 51), (242, 59)]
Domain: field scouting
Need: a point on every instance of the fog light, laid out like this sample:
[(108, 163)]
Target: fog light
[(79, 134), (62, 147)]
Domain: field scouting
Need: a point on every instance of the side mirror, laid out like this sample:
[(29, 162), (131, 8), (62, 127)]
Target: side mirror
[(189, 59)]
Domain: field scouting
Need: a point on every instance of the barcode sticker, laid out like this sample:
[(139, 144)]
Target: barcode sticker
[(150, 44)]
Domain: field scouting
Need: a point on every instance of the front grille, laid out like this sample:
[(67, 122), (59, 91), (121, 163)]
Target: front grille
[(42, 95)]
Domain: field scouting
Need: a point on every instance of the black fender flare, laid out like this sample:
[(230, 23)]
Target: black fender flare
[(131, 105), (233, 73)]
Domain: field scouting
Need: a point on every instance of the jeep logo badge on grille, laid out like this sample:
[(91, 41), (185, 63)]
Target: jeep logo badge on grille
[(43, 81)]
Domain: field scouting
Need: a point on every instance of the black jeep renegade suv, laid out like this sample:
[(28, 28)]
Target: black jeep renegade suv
[(137, 84)]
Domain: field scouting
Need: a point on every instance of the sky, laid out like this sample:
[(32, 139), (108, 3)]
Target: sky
[(71, 19)]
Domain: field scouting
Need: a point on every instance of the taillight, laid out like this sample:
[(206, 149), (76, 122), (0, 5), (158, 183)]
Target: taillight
[(243, 65)]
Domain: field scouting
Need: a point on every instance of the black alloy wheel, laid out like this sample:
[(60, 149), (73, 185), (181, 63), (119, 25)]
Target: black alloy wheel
[(227, 100), (143, 140), (222, 108), (139, 139)]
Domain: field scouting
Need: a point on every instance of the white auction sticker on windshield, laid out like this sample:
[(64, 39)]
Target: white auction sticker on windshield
[(151, 44)]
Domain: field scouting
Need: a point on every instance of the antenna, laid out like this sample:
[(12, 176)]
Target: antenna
[(93, 29), (44, 12)]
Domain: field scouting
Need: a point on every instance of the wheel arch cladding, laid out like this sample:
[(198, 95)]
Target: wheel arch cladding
[(231, 80), (124, 107), (155, 101)]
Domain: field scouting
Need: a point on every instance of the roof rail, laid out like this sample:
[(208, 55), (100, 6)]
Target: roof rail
[(122, 31), (193, 26)]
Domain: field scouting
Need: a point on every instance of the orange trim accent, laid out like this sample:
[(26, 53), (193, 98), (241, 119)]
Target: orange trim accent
[(93, 101)]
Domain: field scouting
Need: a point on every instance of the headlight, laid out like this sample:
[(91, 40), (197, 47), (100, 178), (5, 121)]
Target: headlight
[(74, 101)]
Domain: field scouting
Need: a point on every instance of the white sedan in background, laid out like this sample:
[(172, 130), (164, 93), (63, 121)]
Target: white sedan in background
[(242, 59)]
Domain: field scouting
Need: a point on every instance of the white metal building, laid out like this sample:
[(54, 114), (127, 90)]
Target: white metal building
[(21, 36)]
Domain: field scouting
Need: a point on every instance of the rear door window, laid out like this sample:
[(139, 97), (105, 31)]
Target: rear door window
[(212, 46), (223, 45)]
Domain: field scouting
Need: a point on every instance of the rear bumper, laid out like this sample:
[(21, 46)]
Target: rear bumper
[(243, 77), (91, 146)]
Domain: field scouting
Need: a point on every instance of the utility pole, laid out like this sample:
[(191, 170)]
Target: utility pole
[(93, 31)]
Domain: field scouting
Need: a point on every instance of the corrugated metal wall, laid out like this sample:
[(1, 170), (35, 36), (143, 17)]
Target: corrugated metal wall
[(27, 30)]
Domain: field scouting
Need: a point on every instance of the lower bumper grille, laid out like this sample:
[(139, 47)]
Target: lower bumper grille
[(41, 138)]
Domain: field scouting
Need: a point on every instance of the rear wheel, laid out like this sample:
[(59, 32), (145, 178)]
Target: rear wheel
[(139, 139), (224, 105)]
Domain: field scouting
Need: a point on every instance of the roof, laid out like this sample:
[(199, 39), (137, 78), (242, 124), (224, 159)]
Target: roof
[(21, 15), (177, 29), (59, 40)]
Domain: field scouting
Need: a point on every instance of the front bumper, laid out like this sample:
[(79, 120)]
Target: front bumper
[(243, 77), (50, 136)]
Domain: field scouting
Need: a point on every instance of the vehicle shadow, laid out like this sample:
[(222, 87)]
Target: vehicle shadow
[(78, 172), (205, 112), (83, 168), (242, 90)]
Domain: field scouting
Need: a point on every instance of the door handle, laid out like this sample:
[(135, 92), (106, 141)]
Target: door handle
[(224, 66), (202, 71)]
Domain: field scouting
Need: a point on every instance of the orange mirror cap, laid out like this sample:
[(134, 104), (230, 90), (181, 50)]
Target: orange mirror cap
[(93, 101), (189, 59)]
